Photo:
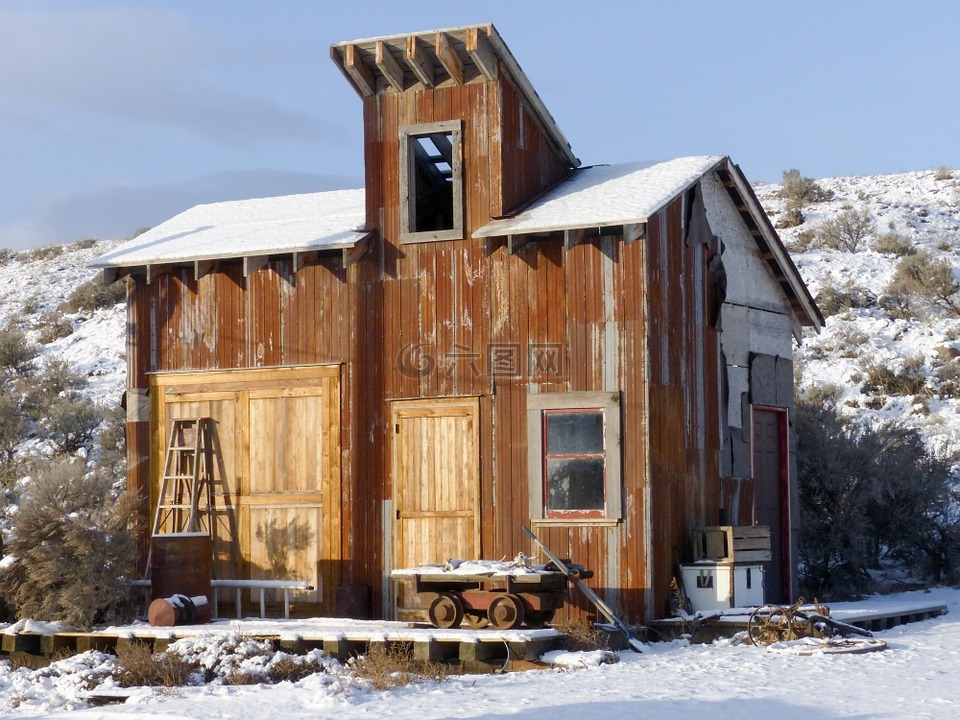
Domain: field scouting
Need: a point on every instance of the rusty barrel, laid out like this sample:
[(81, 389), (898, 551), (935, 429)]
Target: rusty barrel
[(180, 565), (179, 610)]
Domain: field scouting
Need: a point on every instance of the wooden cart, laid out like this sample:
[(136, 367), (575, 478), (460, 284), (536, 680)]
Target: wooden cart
[(502, 600)]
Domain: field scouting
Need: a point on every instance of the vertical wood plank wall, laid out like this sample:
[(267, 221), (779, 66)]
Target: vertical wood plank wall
[(418, 321)]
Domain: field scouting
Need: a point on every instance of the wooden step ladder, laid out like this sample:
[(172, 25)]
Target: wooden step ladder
[(185, 503)]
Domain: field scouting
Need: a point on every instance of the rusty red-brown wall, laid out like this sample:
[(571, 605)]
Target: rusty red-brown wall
[(627, 317)]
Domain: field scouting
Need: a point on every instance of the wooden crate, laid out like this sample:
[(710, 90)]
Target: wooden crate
[(725, 543)]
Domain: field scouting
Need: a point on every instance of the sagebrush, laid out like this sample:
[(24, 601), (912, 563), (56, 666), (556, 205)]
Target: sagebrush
[(870, 498), (75, 556), (799, 191)]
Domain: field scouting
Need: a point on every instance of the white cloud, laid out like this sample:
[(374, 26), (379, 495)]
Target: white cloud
[(109, 212), (139, 65)]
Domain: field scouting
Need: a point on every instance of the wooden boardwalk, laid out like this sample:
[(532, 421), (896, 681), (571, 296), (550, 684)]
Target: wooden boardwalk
[(472, 651), (732, 621)]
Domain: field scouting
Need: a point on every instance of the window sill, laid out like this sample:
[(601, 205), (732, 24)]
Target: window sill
[(597, 522), (409, 238)]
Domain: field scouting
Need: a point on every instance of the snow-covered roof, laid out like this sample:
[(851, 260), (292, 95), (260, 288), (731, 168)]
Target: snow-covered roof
[(247, 228), (604, 195)]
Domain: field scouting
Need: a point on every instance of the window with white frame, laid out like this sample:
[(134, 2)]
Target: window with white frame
[(574, 456), (431, 182)]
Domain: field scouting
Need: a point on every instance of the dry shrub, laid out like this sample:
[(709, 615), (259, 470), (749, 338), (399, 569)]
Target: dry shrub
[(386, 667), (948, 375), (891, 243), (927, 280), (53, 326), (943, 173), (291, 669), (908, 380), (835, 297), (792, 217), (282, 669), (847, 231), (799, 191), (138, 665), (94, 295), (75, 554), (583, 636)]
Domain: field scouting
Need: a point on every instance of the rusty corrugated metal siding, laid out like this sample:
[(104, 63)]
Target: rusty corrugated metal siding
[(630, 318)]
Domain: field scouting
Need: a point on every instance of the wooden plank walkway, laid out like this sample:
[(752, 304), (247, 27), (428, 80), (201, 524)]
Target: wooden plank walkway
[(735, 620), (472, 651)]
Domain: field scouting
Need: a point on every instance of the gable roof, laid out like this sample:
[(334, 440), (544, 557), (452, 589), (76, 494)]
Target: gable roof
[(605, 195), (249, 228)]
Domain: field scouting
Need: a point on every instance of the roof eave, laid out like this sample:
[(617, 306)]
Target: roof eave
[(802, 302), (360, 74), (351, 251)]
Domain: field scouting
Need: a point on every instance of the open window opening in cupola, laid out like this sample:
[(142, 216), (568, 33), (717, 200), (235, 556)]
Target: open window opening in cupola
[(432, 184)]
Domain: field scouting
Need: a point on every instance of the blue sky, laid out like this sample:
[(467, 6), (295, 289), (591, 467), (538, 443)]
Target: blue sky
[(117, 115)]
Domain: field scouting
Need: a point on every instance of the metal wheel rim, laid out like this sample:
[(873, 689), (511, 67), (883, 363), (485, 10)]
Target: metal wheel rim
[(506, 612), (446, 611)]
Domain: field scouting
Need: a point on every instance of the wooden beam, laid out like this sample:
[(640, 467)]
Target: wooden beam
[(155, 271), (389, 66), (418, 61), (253, 263), (360, 73), (448, 58), (634, 232), (300, 259), (481, 53), (112, 274), (352, 255), (515, 242), (573, 237), (203, 267)]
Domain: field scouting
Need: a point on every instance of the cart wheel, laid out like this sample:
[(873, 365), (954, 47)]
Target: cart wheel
[(506, 612), (446, 611), (475, 620), (769, 624), (539, 618)]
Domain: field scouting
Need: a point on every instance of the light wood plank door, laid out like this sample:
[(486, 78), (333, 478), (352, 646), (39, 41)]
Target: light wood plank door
[(277, 478), (436, 474)]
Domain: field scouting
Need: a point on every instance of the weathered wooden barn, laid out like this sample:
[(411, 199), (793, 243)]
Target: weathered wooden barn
[(488, 336)]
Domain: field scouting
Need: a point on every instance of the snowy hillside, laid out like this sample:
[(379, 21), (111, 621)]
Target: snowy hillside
[(34, 284), (883, 361)]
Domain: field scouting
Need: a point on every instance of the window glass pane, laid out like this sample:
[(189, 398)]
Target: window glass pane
[(433, 181), (575, 433), (575, 484)]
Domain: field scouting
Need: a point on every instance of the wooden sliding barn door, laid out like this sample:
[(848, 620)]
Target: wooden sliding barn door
[(436, 475), (277, 480)]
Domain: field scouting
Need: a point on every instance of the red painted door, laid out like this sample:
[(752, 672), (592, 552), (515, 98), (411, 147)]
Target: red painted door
[(771, 497)]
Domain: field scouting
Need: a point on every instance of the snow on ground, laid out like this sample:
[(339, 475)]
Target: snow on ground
[(915, 678)]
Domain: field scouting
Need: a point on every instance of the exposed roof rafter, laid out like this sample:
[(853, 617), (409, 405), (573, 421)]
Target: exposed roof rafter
[(459, 55), (389, 66), (418, 61), (448, 58)]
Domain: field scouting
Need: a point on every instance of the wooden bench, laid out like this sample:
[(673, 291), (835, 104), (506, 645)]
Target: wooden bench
[(240, 585), (262, 586)]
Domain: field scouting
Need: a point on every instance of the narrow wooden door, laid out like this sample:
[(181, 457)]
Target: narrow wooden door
[(771, 497), (435, 486)]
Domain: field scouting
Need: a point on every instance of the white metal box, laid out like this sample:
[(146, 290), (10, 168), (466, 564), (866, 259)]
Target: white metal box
[(721, 586)]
